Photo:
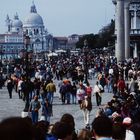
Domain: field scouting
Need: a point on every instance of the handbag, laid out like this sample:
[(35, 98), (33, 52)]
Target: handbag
[(101, 91)]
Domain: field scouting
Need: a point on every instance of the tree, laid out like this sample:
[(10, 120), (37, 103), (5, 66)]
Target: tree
[(106, 35), (100, 40), (91, 39)]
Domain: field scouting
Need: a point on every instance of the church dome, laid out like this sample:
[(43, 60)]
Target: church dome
[(33, 19), (16, 22)]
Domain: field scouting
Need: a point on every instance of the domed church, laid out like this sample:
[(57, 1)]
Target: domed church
[(17, 24), (33, 26), (12, 42)]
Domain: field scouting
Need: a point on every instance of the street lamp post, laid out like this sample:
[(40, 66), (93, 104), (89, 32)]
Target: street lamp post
[(27, 42), (26, 94), (1, 56), (85, 49)]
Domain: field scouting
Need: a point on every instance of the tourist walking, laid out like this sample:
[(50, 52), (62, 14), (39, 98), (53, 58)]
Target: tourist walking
[(98, 92), (86, 107), (34, 109), (68, 93), (88, 90), (73, 93), (121, 85), (63, 90), (81, 93), (10, 87), (19, 87), (46, 110), (51, 88)]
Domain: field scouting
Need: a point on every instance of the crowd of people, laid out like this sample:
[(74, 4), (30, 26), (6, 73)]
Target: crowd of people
[(119, 119)]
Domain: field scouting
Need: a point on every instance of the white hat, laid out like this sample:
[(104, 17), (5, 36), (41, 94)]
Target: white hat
[(127, 120)]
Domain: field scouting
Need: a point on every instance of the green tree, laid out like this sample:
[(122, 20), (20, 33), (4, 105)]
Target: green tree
[(106, 35), (91, 40), (100, 40)]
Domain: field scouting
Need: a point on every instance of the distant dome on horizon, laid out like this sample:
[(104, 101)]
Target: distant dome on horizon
[(33, 19), (16, 22)]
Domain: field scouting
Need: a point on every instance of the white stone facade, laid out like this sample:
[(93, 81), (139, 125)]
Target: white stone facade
[(32, 26), (127, 24)]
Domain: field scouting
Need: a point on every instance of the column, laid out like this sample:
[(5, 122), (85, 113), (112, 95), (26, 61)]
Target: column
[(127, 29), (120, 48), (115, 3), (135, 50), (135, 19)]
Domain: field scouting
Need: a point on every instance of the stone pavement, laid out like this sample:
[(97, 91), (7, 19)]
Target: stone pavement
[(14, 107)]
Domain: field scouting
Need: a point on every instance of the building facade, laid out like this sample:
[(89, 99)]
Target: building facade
[(134, 10), (13, 41), (127, 29)]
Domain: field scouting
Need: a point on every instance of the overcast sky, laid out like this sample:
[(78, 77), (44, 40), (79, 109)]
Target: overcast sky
[(62, 17)]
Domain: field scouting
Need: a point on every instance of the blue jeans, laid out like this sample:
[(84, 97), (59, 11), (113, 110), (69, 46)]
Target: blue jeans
[(73, 99), (34, 116), (50, 97), (68, 94)]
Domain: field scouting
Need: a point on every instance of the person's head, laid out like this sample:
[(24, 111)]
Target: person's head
[(50, 127), (35, 97), (127, 122), (74, 83), (118, 119), (41, 129), (115, 115), (16, 128), (68, 118), (84, 134), (97, 82), (62, 130), (80, 85), (119, 131), (102, 127)]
